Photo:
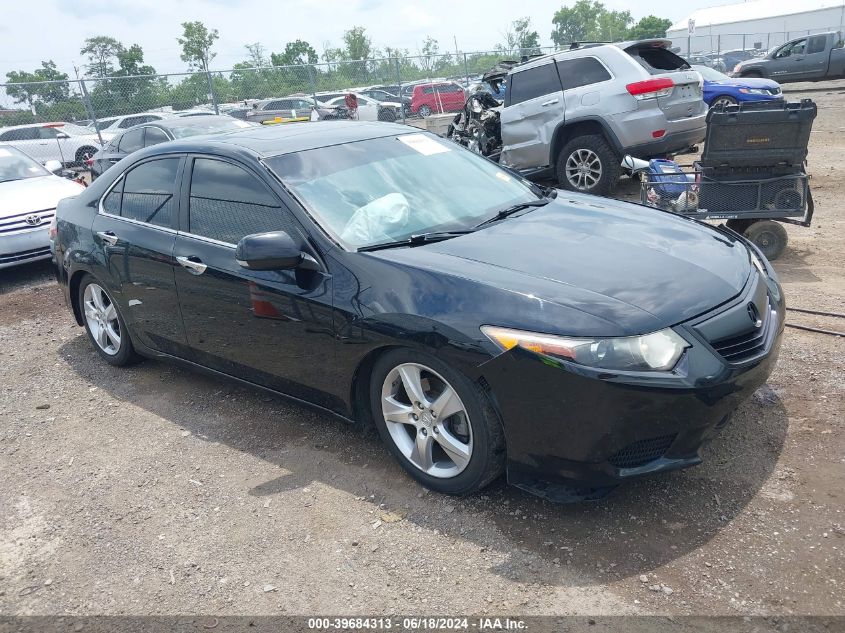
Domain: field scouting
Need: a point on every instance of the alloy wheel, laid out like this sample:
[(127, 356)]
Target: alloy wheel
[(427, 420), (101, 317), (723, 102), (583, 169)]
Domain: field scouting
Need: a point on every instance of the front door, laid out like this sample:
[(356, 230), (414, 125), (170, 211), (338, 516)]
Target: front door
[(271, 328), (135, 233), (533, 108), (787, 62)]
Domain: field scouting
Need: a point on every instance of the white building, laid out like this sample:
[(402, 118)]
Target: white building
[(759, 24)]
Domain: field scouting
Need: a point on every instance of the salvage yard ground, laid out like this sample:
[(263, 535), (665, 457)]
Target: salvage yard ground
[(155, 490)]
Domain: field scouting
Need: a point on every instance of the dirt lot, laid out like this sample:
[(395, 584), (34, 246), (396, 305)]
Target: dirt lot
[(155, 490)]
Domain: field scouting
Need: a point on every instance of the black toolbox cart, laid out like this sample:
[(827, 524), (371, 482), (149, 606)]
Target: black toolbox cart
[(752, 173)]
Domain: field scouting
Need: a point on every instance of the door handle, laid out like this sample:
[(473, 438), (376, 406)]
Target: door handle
[(549, 102), (193, 264), (108, 237)]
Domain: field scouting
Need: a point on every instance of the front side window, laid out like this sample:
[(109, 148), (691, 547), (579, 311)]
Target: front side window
[(149, 193), (385, 189), (228, 203), (534, 82)]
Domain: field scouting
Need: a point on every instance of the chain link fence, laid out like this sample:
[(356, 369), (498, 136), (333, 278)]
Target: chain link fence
[(68, 120)]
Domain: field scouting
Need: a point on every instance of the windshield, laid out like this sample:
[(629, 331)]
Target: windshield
[(711, 75), (17, 166), (211, 127), (378, 190)]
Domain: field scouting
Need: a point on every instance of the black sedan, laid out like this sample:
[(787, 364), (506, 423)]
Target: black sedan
[(156, 132), (393, 278)]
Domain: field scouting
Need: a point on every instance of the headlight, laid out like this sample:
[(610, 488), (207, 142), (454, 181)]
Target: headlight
[(753, 91), (658, 351)]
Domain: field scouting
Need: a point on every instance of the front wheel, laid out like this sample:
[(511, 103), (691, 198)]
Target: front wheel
[(424, 111), (436, 422), (588, 164), (724, 101), (104, 324)]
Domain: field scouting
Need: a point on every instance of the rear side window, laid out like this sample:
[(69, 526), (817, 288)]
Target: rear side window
[(228, 203), (154, 136), (817, 44), (149, 192), (533, 83), (131, 141), (581, 72), (658, 60), (22, 134)]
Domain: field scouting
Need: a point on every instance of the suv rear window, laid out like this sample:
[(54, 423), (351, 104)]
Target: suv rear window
[(657, 60), (533, 83), (581, 72)]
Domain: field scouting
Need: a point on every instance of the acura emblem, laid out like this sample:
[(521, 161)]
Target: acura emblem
[(754, 315), (33, 220)]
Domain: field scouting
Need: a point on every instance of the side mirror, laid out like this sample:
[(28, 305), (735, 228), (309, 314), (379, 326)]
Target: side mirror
[(269, 251), (53, 166)]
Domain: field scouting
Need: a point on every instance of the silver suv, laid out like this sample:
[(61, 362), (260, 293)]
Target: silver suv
[(574, 114)]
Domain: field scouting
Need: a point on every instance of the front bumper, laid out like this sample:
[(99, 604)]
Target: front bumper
[(575, 433), (24, 246)]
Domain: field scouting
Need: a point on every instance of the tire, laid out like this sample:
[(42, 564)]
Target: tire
[(769, 236), (472, 430), (84, 153), (739, 225), (590, 161), (117, 349), (424, 111), (724, 100)]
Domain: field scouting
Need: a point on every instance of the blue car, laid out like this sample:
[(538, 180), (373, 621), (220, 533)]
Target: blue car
[(719, 89)]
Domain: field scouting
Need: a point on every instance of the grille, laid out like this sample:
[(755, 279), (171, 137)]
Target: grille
[(17, 223), (748, 345), (642, 451), (24, 255)]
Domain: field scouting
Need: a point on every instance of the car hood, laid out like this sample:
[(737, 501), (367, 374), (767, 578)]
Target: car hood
[(633, 268), (746, 82), (35, 194)]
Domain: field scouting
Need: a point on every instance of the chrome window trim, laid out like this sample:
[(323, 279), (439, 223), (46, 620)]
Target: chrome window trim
[(101, 211), (209, 240)]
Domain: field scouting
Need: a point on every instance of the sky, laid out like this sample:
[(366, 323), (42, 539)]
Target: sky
[(35, 30)]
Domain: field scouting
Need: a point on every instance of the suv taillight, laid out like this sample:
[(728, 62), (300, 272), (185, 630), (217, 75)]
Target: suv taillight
[(53, 228), (651, 88)]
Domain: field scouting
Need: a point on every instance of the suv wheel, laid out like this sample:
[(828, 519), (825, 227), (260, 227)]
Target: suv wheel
[(424, 111), (588, 164)]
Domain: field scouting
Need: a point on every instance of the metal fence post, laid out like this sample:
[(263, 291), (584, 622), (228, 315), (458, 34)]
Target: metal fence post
[(719, 45), (211, 94), (313, 84), (466, 69), (399, 84), (86, 101)]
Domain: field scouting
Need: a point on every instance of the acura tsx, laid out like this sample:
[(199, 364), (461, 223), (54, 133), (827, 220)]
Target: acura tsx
[(483, 324)]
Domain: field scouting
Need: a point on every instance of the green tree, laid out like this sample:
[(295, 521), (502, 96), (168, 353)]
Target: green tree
[(101, 52), (648, 27), (130, 62), (358, 44), (196, 43), (25, 90), (296, 52), (429, 54), (526, 40), (589, 20), (52, 93), (257, 54)]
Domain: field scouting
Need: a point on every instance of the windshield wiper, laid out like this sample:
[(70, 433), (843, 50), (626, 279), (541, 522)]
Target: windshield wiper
[(501, 215), (422, 238)]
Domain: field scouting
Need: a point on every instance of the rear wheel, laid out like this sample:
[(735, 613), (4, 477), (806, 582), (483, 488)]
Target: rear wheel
[(723, 100), (588, 164), (424, 111), (436, 423), (83, 154), (104, 324), (769, 236)]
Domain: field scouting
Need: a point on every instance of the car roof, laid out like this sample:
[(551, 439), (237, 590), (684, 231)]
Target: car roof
[(266, 141), (189, 121), (45, 124)]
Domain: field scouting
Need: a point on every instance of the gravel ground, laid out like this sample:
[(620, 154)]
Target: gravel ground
[(153, 490)]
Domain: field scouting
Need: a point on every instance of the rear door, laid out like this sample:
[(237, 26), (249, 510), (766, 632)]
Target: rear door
[(28, 139), (816, 59), (686, 99), (135, 231), (272, 328), (534, 106)]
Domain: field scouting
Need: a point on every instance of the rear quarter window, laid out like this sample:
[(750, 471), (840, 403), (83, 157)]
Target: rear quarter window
[(575, 73), (657, 60)]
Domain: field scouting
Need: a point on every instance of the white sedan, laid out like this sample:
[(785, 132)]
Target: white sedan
[(65, 142), (29, 194), (371, 110)]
